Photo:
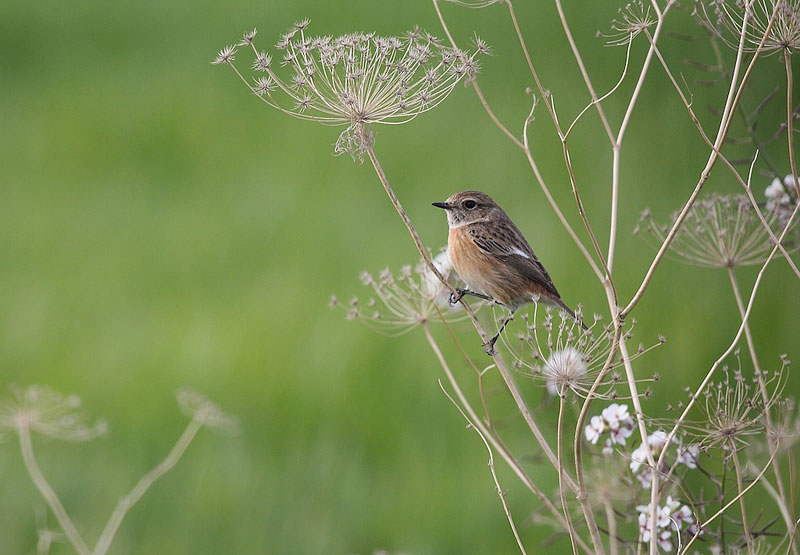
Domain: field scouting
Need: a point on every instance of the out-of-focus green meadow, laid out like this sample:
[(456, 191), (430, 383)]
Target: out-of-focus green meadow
[(159, 228)]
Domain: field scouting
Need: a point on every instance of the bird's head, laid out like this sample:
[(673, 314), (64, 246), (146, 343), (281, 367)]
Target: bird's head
[(469, 207)]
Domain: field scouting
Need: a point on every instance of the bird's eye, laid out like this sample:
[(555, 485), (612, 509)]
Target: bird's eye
[(470, 204)]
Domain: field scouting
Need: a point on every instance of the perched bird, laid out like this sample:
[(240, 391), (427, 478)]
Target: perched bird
[(493, 258)]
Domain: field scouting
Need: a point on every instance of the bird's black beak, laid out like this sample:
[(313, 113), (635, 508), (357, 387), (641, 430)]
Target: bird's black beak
[(444, 205)]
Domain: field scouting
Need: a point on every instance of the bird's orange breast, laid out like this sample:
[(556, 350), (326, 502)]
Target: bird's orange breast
[(479, 271)]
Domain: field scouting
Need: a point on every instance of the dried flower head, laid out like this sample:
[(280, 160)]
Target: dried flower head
[(728, 17), (45, 411), (563, 354), (404, 301), (783, 431), (633, 19), (355, 80), (721, 231), (200, 408), (732, 408)]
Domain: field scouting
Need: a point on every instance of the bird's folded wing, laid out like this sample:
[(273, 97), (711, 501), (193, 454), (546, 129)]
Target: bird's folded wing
[(520, 257)]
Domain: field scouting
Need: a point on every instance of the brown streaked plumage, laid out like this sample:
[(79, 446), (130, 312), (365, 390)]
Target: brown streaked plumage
[(492, 256)]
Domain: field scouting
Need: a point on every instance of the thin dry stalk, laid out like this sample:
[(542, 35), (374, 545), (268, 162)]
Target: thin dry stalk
[(725, 507), (144, 484), (731, 102), (49, 493), (745, 184), (562, 493), (510, 460), (748, 538), (498, 488), (783, 504)]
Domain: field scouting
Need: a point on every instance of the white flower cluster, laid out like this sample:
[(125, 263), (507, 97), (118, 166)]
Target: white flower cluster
[(672, 515), (780, 192), (616, 421), (686, 455)]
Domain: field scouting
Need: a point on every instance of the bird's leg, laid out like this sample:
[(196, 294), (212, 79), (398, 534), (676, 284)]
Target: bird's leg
[(490, 344), (456, 297)]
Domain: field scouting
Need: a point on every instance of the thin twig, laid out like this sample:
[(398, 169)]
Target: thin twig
[(48, 492), (498, 489), (748, 539), (561, 492), (129, 500)]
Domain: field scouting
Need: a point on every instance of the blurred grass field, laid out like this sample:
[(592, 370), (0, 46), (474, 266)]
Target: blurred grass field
[(160, 228)]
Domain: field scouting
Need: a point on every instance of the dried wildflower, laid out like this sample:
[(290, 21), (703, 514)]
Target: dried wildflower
[(721, 231), (633, 18), (732, 409), (728, 17), (45, 411), (564, 355), (783, 431), (199, 407), (356, 80), (404, 301)]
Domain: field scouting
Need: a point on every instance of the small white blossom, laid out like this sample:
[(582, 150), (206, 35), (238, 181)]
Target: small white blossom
[(594, 429), (622, 433), (688, 455), (615, 414)]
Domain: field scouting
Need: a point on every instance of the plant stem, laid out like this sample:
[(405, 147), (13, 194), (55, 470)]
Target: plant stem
[(561, 492), (785, 508), (48, 492), (748, 539), (498, 488), (613, 546), (144, 484), (790, 120)]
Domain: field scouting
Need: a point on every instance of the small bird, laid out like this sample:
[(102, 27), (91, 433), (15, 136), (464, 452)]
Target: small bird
[(494, 259)]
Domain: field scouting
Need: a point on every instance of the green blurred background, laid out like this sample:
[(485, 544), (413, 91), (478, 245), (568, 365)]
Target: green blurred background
[(159, 227)]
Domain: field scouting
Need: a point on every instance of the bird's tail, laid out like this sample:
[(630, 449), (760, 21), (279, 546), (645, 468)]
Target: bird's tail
[(556, 301)]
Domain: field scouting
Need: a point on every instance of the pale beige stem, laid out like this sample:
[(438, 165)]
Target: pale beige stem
[(48, 492), (144, 484), (561, 492), (745, 184), (784, 505), (498, 488), (748, 538), (701, 526), (613, 542), (790, 120), (510, 460)]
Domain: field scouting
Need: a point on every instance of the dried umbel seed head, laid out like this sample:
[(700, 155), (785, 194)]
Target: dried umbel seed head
[(355, 80), (775, 22), (207, 413), (403, 301), (564, 355), (47, 412), (632, 19), (720, 231)]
